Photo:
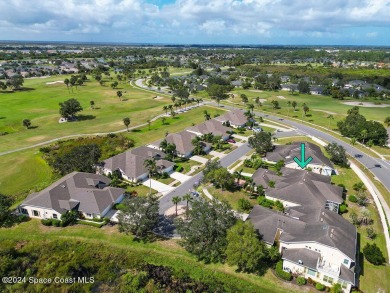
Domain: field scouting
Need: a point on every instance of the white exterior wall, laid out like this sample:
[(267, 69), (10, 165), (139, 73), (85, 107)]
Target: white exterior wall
[(318, 278), (332, 255), (44, 213)]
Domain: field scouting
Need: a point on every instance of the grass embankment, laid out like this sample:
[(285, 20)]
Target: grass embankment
[(25, 171), (167, 253)]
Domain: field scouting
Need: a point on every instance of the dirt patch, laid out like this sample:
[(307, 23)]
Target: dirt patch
[(366, 104), (36, 138), (170, 244), (327, 112), (281, 97), (54, 82), (261, 100), (256, 91)]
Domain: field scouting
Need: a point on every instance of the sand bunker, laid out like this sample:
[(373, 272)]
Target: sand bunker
[(54, 82), (366, 104), (256, 91), (261, 100), (158, 98), (327, 112), (281, 97)]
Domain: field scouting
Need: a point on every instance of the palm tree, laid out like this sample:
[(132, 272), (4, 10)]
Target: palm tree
[(165, 108), (294, 104), (163, 120), (305, 109), (171, 150), (206, 115), (238, 175), (173, 99), (251, 107), (119, 94), (151, 166), (330, 117), (187, 197), (92, 103), (364, 134), (66, 81), (163, 145), (149, 122), (176, 200), (126, 122)]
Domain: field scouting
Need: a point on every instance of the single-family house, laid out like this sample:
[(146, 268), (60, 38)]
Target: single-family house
[(316, 90), (298, 188), (131, 163), (183, 142), (315, 243), (235, 118), (89, 194), (211, 126), (319, 164)]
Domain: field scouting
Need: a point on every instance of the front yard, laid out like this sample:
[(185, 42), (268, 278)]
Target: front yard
[(231, 197)]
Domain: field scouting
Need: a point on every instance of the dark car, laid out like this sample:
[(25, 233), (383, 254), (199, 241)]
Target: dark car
[(231, 140), (358, 155), (378, 166)]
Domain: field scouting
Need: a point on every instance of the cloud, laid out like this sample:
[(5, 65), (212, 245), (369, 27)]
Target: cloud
[(193, 20)]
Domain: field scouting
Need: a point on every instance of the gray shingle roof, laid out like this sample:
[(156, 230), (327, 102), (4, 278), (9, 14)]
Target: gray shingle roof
[(235, 117), (75, 189), (182, 140), (132, 162), (305, 188), (288, 152), (327, 228), (302, 256), (210, 126)]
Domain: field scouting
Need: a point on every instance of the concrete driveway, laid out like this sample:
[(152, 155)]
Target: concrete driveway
[(160, 187), (179, 176), (199, 159)]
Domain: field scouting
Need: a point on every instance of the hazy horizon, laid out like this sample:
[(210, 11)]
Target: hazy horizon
[(229, 22)]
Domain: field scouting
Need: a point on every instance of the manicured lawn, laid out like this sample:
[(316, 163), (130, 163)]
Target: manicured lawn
[(166, 180), (231, 197), (141, 190), (40, 105), (373, 277), (186, 164), (165, 252), (22, 173), (25, 171)]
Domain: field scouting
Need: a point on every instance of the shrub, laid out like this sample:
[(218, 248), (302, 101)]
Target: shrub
[(179, 169), (282, 274), (46, 222), (301, 281), (320, 287), (69, 218), (164, 175), (119, 206), (244, 205), (352, 198), (343, 209), (56, 223), (373, 254)]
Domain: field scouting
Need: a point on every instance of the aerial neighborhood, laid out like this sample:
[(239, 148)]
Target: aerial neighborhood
[(158, 168)]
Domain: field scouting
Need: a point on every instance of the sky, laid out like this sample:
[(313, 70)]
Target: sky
[(255, 22)]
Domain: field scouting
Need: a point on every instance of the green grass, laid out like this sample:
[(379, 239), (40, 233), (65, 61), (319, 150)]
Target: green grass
[(166, 180), (231, 197), (373, 277), (141, 190), (25, 171), (167, 253), (187, 164), (40, 105), (22, 173)]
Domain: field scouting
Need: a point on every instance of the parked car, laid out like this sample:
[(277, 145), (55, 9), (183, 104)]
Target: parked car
[(231, 140), (257, 129)]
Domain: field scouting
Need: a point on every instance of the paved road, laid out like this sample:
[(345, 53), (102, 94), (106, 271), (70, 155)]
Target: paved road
[(379, 167), (185, 187)]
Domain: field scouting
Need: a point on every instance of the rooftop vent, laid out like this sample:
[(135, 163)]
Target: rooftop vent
[(62, 185), (300, 262)]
